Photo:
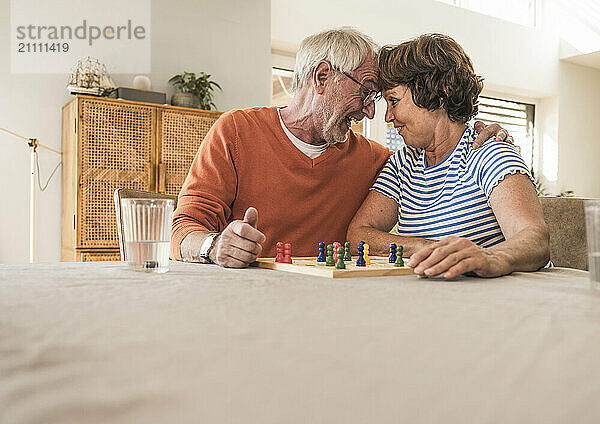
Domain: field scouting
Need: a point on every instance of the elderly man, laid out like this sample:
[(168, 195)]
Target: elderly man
[(301, 166)]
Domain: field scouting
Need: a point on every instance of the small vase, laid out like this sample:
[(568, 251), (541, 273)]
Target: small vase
[(185, 100)]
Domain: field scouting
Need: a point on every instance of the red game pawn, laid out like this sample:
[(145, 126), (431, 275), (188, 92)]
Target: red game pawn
[(287, 253), (279, 257), (335, 248)]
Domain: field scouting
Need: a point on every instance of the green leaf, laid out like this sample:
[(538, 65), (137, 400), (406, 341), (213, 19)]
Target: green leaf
[(199, 85)]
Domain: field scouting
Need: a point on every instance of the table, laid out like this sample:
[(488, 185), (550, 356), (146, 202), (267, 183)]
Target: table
[(97, 343)]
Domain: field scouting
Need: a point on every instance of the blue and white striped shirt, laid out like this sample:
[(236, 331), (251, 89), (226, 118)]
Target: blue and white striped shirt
[(451, 197)]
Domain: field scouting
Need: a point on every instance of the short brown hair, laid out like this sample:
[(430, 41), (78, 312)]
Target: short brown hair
[(438, 72)]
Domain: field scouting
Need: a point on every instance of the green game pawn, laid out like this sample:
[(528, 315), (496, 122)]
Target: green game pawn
[(329, 260), (399, 261), (347, 256), (340, 262)]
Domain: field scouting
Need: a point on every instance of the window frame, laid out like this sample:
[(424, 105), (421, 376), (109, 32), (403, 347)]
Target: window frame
[(535, 162)]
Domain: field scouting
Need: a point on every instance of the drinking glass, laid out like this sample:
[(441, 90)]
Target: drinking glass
[(592, 224), (147, 233)]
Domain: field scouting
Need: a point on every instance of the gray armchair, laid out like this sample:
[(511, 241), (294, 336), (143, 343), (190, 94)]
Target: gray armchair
[(565, 218)]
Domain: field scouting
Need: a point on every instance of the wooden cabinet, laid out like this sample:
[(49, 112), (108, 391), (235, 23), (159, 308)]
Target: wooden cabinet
[(109, 144)]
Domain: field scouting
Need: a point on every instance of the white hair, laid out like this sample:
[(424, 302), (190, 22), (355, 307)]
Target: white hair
[(345, 48)]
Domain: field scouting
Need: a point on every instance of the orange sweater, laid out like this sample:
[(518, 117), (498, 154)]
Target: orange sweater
[(247, 160)]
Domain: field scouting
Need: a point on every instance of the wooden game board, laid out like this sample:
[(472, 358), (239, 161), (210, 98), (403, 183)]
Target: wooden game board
[(380, 266)]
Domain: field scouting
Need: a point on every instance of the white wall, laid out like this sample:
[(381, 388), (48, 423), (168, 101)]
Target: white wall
[(515, 60), (495, 45), (579, 130), (229, 39), (577, 22)]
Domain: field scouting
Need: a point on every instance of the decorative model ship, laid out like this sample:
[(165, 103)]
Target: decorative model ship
[(90, 78)]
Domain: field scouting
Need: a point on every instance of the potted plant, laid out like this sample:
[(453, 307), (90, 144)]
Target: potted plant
[(193, 91)]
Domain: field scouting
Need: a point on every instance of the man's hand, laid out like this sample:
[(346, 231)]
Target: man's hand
[(485, 132), (238, 245), (453, 256)]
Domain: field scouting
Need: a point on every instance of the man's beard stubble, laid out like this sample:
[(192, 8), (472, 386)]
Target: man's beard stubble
[(332, 124)]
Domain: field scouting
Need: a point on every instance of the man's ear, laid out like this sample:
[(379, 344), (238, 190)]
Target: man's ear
[(323, 72)]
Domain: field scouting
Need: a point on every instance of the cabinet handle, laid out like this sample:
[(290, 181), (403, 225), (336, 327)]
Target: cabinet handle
[(162, 178)]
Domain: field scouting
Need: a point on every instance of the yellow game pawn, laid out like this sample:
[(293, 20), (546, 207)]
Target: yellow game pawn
[(367, 259)]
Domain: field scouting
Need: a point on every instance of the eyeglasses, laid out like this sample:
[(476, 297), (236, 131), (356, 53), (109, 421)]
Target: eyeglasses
[(372, 95)]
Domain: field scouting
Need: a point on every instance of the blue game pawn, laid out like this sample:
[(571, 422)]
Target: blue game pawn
[(392, 253), (361, 256), (321, 257)]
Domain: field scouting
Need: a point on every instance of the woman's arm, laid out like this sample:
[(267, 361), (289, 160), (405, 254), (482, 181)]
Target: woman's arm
[(527, 246), (519, 213), (372, 223)]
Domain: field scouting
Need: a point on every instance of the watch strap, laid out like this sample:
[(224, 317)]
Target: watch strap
[(207, 246)]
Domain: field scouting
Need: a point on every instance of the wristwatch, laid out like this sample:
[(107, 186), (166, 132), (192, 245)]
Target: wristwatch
[(207, 246)]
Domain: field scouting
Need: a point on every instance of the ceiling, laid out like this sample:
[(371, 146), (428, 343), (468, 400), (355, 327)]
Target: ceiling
[(591, 60)]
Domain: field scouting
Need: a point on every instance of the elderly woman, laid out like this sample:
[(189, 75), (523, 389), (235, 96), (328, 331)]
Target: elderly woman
[(458, 209)]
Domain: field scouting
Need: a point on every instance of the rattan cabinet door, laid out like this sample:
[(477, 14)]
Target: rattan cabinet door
[(180, 135), (115, 151), (96, 256)]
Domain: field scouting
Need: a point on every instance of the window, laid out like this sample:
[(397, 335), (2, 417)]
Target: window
[(282, 87), (393, 140), (516, 117), (517, 11)]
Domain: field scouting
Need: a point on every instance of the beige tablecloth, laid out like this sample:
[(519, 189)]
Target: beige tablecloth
[(96, 343)]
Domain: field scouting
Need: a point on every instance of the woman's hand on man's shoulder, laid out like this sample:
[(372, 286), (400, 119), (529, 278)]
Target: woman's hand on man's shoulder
[(491, 132)]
